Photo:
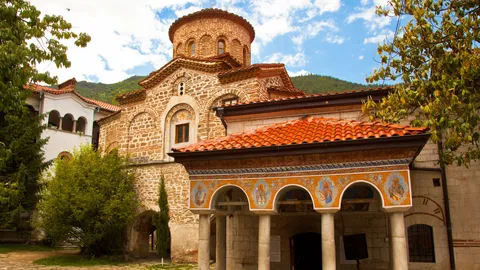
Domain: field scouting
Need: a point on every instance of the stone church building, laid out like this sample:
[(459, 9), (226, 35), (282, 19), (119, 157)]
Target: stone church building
[(261, 175)]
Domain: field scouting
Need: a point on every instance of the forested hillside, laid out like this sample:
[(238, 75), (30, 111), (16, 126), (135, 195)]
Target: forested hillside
[(312, 84)]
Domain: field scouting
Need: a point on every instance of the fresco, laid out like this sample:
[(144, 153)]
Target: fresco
[(326, 190)]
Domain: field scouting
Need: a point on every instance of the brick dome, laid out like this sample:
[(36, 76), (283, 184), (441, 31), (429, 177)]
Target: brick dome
[(210, 32)]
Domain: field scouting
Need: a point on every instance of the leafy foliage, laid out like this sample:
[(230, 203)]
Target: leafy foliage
[(438, 59), (26, 40), (160, 221), (90, 201)]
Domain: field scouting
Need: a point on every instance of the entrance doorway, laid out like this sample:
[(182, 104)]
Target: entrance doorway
[(306, 251)]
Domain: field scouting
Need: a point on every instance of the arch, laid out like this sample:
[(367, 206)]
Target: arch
[(54, 119), (147, 110), (361, 182), (246, 55), (206, 44), (142, 135), (111, 147), (172, 108), (178, 49), (140, 233), (282, 191), (65, 155), (217, 192), (67, 122), (213, 123), (236, 49), (81, 125)]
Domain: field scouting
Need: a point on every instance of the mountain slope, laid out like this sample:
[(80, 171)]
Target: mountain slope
[(312, 84)]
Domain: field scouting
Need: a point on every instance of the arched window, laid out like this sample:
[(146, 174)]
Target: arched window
[(191, 48), (221, 46), (81, 125), (181, 125), (53, 119), (67, 122), (420, 243)]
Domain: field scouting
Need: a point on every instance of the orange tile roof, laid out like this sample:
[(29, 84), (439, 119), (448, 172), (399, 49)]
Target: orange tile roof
[(307, 96), (106, 106), (304, 131), (287, 89)]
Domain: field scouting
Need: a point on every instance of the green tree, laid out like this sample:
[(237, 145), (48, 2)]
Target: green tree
[(161, 220), (26, 39), (437, 58), (90, 200)]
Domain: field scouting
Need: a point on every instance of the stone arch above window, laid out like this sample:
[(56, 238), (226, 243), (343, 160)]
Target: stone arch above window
[(81, 125), (180, 127), (420, 243), (67, 122), (54, 119)]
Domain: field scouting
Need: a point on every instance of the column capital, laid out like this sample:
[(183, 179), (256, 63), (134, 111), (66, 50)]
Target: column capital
[(327, 210)]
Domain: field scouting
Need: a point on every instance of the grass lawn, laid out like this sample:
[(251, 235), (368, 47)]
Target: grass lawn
[(78, 260), (6, 248)]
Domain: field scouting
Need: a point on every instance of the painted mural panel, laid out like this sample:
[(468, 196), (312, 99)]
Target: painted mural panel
[(325, 190)]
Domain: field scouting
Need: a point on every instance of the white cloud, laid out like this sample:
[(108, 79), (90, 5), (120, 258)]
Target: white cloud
[(183, 12), (334, 39), (292, 60), (365, 2), (328, 5), (311, 30), (298, 73), (360, 57), (380, 37), (371, 19)]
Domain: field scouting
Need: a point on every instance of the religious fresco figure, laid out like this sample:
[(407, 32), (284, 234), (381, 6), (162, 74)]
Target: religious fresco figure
[(199, 194), (396, 190), (261, 193), (325, 191)]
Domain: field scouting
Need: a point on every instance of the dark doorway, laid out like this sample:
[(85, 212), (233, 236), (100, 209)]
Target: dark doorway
[(306, 251)]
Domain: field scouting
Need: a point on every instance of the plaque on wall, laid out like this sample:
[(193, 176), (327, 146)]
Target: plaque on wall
[(275, 249)]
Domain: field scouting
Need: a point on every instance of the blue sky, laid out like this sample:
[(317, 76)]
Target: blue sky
[(328, 37)]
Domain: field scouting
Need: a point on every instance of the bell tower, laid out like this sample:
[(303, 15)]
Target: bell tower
[(211, 32)]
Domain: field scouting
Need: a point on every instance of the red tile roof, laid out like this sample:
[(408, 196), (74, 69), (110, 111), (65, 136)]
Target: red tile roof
[(311, 96), (101, 104), (304, 131), (287, 89)]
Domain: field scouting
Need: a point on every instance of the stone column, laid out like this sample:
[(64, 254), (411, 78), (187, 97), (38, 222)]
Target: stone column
[(264, 242), (221, 247), (398, 244), (60, 123), (204, 242), (74, 126), (328, 242)]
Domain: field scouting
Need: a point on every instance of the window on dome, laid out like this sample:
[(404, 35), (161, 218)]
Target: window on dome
[(191, 47), (181, 133), (221, 46)]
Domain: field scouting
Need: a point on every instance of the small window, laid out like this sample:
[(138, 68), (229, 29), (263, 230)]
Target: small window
[(420, 243), (181, 89), (191, 47), (181, 133), (65, 156), (230, 101), (221, 46)]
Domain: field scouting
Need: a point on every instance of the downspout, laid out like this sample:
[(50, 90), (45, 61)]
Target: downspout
[(446, 201), (219, 112)]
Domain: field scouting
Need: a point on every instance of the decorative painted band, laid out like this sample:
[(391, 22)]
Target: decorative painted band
[(318, 167), (325, 190)]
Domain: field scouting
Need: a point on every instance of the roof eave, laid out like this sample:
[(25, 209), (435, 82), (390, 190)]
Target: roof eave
[(408, 141)]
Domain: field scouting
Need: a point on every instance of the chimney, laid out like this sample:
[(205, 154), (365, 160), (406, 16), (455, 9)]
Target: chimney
[(68, 85)]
